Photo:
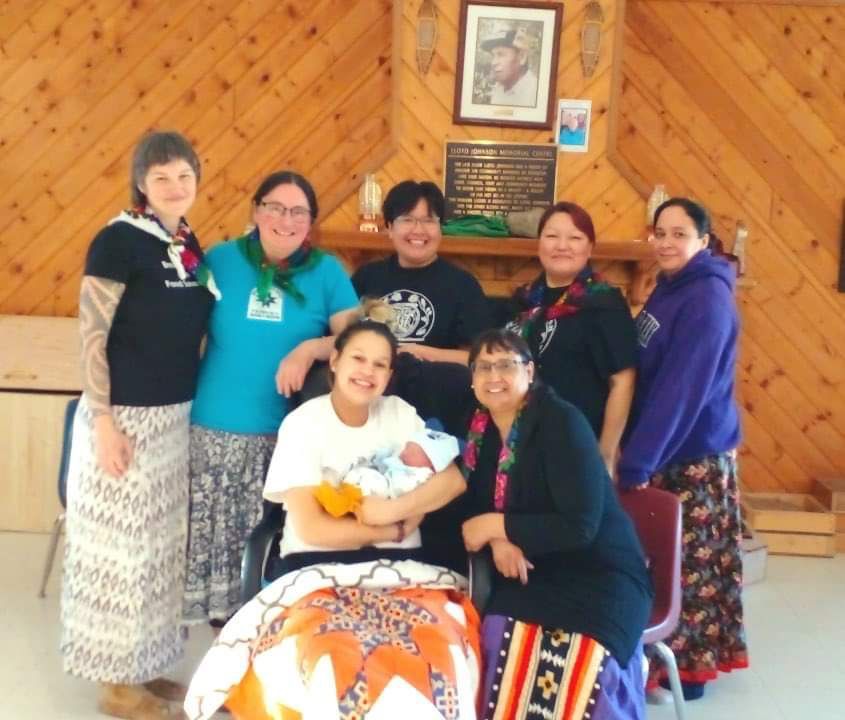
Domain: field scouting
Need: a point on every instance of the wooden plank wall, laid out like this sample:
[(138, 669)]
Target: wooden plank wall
[(425, 122), (742, 105), (739, 104), (256, 84)]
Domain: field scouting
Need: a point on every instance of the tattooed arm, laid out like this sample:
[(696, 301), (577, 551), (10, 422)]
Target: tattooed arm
[(98, 301)]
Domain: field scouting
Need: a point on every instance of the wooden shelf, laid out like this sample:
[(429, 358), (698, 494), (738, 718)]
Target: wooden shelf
[(626, 251)]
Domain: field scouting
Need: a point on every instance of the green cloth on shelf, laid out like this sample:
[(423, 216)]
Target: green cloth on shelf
[(480, 225)]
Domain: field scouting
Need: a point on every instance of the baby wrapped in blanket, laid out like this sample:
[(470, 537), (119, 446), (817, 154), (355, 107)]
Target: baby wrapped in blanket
[(389, 475)]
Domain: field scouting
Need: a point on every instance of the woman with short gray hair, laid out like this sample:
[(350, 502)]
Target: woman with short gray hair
[(144, 302)]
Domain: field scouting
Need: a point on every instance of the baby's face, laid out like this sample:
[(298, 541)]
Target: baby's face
[(414, 456)]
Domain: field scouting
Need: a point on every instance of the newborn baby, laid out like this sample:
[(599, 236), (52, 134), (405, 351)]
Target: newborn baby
[(389, 475)]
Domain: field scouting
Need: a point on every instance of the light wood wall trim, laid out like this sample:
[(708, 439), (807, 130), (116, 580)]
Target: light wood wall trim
[(396, 98), (624, 251), (426, 121), (622, 166)]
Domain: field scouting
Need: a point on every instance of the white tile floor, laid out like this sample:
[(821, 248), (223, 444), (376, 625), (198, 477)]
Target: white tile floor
[(796, 628)]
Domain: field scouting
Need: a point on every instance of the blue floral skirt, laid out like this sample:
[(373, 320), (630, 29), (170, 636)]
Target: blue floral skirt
[(710, 636), (227, 473)]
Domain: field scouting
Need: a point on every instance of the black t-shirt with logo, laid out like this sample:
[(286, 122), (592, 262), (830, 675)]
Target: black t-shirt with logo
[(440, 304), (576, 354), (443, 306), (153, 345)]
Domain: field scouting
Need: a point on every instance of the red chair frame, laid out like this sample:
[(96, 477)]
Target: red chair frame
[(657, 517)]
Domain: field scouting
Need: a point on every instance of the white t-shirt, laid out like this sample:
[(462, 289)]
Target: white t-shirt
[(523, 93), (313, 439)]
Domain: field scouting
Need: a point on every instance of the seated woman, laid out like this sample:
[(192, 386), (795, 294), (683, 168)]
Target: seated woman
[(572, 594), (355, 625)]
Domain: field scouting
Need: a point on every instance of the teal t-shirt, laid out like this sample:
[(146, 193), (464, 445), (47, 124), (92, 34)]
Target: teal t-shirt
[(572, 137), (236, 389)]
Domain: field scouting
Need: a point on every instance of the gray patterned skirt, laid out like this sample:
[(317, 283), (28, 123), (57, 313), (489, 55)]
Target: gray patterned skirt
[(124, 566), (227, 478)]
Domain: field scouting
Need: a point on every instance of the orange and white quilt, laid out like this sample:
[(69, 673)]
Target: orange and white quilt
[(377, 640)]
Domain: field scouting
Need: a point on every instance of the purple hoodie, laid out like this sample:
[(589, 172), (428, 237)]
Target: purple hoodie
[(684, 405)]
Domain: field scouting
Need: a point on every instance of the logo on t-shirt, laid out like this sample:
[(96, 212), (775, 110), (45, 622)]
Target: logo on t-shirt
[(270, 309), (546, 335), (414, 315), (647, 325)]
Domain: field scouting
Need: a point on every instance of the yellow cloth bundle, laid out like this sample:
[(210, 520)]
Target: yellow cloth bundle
[(338, 501)]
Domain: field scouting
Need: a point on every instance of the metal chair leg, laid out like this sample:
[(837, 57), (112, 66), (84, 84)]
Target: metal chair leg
[(674, 678), (51, 552)]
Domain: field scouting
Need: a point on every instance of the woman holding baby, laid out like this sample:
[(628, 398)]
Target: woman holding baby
[(355, 625)]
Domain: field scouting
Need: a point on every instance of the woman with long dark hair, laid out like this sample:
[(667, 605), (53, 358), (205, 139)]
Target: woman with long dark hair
[(356, 624), (684, 433)]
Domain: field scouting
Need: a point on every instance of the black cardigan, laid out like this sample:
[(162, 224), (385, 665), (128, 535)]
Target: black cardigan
[(561, 510)]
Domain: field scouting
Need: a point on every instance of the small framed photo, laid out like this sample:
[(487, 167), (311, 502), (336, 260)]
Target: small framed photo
[(573, 125), (507, 63)]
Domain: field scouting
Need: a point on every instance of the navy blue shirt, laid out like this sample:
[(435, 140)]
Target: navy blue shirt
[(440, 304), (154, 341), (561, 510)]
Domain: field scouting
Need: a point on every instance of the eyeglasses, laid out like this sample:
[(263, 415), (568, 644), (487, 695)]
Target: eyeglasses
[(406, 222), (297, 213), (505, 366)]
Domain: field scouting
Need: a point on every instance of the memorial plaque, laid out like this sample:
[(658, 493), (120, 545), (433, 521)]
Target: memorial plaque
[(487, 178)]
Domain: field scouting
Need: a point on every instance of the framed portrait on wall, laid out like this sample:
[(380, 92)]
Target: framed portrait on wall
[(572, 129), (507, 63)]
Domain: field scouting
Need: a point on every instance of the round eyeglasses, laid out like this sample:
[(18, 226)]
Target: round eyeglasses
[(297, 212)]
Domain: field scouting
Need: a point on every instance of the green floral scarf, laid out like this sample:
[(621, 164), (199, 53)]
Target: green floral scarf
[(282, 273)]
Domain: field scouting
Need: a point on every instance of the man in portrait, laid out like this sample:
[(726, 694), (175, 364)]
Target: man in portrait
[(514, 82)]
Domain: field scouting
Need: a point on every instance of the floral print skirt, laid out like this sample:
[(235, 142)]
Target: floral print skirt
[(710, 636), (227, 478)]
